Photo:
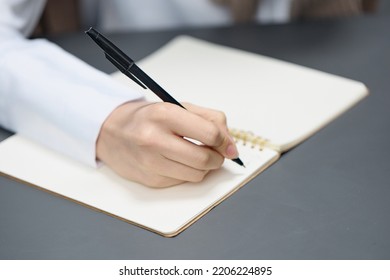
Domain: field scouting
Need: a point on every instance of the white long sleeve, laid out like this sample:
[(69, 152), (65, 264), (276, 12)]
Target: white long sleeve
[(47, 94)]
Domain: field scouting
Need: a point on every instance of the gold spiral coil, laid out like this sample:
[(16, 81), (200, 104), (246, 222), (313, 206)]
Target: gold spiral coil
[(248, 137)]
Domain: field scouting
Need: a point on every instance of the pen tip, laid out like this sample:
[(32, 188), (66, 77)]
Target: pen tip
[(238, 161)]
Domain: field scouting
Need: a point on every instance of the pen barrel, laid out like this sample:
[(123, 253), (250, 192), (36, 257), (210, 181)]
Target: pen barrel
[(153, 86), (109, 48)]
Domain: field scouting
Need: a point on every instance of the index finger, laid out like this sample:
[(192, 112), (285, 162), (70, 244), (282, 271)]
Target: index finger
[(188, 124)]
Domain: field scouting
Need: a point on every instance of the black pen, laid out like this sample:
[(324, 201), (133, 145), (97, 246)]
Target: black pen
[(128, 67)]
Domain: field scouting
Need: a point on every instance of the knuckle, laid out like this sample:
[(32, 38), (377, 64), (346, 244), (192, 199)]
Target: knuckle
[(210, 160), (198, 176), (220, 117), (218, 162), (214, 136), (160, 111), (146, 136), (203, 159)]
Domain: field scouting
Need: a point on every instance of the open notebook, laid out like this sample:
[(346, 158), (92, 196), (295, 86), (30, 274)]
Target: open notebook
[(271, 106)]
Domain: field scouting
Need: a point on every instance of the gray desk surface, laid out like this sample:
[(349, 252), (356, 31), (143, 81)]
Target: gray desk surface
[(329, 198)]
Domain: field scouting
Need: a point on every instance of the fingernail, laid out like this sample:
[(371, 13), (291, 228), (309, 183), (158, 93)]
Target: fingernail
[(231, 151)]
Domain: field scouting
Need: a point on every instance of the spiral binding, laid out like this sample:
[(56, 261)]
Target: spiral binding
[(248, 137)]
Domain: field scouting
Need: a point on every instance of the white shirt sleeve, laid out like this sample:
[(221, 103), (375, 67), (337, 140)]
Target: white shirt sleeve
[(47, 94)]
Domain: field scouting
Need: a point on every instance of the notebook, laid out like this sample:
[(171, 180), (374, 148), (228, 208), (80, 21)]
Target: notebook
[(271, 106)]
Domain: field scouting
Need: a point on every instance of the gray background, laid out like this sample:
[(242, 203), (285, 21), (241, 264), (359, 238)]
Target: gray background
[(328, 198), (384, 7)]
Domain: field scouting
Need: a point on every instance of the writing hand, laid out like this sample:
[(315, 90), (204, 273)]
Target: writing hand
[(144, 142)]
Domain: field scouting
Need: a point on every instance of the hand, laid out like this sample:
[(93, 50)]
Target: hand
[(144, 142)]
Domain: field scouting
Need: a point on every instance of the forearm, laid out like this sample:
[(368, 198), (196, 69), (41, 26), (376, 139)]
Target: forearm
[(54, 98)]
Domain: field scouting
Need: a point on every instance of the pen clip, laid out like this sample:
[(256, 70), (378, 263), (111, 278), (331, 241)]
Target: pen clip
[(124, 70)]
